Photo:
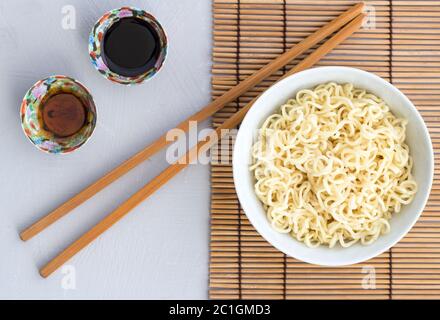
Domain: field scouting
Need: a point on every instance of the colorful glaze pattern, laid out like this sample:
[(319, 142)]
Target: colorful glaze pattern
[(32, 116), (97, 35)]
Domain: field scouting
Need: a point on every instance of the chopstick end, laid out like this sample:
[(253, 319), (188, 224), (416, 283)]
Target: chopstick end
[(44, 273), (24, 235)]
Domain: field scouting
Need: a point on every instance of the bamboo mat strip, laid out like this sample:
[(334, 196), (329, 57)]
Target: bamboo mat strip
[(416, 72), (402, 46)]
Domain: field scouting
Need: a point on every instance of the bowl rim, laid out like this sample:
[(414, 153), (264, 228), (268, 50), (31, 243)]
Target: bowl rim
[(270, 236)]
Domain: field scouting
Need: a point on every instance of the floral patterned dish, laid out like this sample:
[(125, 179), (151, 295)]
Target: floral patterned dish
[(96, 44), (32, 119)]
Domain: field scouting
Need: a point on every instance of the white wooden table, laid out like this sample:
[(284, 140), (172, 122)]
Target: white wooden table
[(160, 250)]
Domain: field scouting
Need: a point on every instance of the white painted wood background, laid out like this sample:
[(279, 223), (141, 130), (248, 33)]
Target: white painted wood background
[(160, 250)]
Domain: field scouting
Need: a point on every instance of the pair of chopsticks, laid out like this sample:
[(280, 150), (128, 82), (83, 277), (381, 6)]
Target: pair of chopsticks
[(351, 20)]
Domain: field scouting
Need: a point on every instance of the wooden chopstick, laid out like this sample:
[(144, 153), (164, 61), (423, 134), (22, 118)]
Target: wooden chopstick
[(202, 115), (175, 168)]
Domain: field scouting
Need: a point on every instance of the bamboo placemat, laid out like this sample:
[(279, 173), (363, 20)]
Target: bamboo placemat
[(401, 43)]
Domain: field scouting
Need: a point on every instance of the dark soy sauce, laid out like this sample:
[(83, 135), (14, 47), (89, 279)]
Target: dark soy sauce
[(131, 47)]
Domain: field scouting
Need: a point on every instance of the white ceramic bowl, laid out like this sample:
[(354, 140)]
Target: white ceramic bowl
[(417, 138)]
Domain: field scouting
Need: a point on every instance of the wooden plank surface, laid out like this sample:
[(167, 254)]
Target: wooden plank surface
[(401, 44)]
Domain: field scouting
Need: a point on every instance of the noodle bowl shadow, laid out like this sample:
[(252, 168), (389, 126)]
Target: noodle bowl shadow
[(417, 138)]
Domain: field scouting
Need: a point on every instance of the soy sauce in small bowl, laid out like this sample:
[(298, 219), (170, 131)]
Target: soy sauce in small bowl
[(131, 47), (128, 45), (58, 114)]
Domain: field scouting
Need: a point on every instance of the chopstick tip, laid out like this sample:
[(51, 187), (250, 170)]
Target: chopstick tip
[(43, 273), (23, 236), (360, 6)]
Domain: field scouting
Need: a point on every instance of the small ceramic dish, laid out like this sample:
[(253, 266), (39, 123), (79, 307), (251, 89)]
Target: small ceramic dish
[(96, 44), (32, 118)]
